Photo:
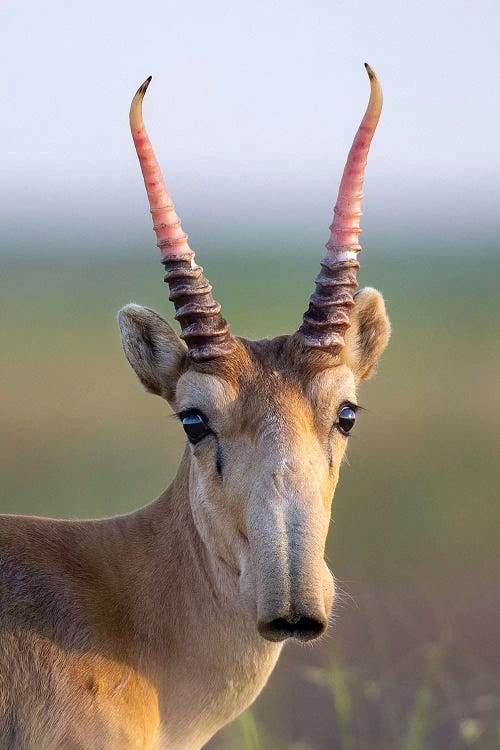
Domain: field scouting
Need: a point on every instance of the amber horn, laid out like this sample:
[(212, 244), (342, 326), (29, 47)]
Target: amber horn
[(327, 318), (203, 329)]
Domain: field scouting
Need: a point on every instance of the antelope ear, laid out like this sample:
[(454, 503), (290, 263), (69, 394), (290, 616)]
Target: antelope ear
[(155, 352), (368, 334)]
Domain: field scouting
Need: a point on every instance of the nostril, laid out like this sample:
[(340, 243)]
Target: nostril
[(303, 628)]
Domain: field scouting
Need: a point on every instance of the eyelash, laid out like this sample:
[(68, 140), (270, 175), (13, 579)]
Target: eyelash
[(180, 415), (351, 405)]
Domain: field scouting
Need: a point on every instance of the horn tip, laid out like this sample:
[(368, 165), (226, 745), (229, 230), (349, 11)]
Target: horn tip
[(370, 71), (135, 115), (144, 87)]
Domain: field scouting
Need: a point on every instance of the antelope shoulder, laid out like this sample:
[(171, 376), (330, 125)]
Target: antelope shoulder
[(65, 679)]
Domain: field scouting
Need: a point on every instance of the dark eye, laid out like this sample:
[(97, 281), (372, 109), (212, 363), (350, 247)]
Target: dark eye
[(347, 417), (194, 426)]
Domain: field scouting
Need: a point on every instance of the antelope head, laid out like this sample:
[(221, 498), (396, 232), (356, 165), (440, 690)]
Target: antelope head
[(267, 421)]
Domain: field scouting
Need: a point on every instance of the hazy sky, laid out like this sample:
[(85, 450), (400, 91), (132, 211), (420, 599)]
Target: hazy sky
[(252, 110)]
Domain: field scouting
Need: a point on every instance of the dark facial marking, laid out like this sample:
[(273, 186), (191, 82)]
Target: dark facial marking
[(218, 460)]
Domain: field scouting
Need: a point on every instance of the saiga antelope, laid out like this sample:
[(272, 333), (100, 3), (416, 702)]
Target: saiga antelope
[(154, 629)]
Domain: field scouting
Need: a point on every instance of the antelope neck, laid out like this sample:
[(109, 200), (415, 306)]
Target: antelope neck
[(193, 636)]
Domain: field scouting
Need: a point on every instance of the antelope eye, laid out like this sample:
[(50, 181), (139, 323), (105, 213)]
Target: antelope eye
[(194, 426), (346, 419)]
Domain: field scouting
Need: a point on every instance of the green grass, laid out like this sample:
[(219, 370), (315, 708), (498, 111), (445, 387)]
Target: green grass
[(415, 540), (249, 732)]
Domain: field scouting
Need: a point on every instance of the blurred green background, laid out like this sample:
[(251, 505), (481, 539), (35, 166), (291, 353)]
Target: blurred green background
[(411, 661)]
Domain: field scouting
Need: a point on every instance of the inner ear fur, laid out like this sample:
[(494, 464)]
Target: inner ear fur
[(153, 349), (368, 334)]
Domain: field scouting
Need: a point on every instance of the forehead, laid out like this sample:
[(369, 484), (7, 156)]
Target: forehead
[(266, 379), (199, 389)]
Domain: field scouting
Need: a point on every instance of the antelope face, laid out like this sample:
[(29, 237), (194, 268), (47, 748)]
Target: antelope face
[(267, 427), (267, 422), (266, 450)]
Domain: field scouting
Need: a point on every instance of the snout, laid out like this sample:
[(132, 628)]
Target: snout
[(302, 627), (294, 596), (287, 527), (299, 612)]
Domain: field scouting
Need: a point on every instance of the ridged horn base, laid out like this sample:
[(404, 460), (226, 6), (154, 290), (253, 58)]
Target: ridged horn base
[(203, 329), (327, 318)]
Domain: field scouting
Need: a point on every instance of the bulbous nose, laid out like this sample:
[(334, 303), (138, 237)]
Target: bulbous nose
[(301, 627)]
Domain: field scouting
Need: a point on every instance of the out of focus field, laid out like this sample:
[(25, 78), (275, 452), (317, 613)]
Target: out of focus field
[(412, 661)]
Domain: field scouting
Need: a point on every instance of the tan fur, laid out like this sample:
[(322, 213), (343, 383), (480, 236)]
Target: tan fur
[(141, 631)]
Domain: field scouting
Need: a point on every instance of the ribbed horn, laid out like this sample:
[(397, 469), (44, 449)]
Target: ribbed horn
[(327, 319), (203, 329)]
